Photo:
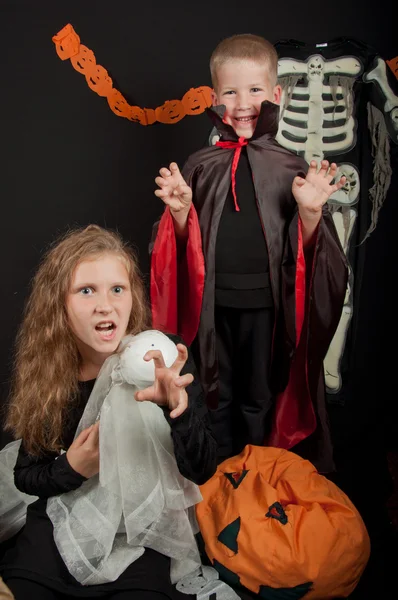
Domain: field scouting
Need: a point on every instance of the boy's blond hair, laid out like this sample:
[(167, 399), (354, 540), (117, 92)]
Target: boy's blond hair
[(245, 46)]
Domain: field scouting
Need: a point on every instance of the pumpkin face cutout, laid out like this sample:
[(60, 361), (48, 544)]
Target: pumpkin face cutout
[(196, 100), (272, 524), (393, 64), (143, 116), (84, 61), (170, 112), (98, 80), (137, 115), (67, 42), (119, 104)]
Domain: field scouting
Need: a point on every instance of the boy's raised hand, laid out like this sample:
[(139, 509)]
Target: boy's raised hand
[(314, 191), (173, 189)]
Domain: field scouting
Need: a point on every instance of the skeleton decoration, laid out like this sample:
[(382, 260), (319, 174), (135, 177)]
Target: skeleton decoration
[(348, 194), (344, 221), (344, 218), (318, 120), (378, 76)]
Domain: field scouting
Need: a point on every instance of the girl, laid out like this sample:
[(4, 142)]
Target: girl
[(86, 296)]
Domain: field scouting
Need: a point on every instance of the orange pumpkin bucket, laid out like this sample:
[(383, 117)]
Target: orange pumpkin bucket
[(271, 523)]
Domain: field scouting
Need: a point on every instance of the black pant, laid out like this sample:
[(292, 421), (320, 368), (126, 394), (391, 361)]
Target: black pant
[(24, 589), (244, 338)]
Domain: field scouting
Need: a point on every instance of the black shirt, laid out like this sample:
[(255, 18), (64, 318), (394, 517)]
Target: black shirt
[(241, 260)]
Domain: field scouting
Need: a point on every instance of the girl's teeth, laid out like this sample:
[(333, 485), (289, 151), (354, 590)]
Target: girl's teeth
[(105, 327)]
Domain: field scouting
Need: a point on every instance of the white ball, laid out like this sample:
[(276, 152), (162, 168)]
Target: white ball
[(137, 371)]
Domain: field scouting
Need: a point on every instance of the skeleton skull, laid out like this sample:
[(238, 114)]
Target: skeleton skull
[(315, 68)]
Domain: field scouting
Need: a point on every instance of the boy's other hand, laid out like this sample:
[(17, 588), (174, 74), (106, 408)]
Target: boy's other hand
[(314, 191)]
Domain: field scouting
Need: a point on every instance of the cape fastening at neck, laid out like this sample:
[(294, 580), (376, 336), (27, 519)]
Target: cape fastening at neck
[(267, 125), (238, 149)]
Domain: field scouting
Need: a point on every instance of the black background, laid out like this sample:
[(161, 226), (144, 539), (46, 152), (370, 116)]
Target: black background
[(68, 160)]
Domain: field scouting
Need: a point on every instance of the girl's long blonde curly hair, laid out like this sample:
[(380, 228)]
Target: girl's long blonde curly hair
[(47, 362)]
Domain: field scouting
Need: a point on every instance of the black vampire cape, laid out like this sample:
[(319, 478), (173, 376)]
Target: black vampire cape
[(308, 287)]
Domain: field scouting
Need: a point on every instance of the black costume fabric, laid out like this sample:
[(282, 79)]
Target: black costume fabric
[(243, 338), (34, 556), (340, 102), (208, 172), (241, 255), (244, 321)]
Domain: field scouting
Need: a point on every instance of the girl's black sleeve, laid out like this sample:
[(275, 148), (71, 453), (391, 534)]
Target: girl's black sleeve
[(194, 445), (47, 475)]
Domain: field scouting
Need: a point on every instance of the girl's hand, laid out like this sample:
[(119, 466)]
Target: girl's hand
[(169, 387), (83, 454)]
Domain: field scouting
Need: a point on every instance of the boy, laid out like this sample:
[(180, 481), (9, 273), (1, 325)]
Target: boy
[(264, 299)]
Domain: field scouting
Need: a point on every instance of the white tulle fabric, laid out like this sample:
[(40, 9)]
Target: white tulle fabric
[(13, 503), (139, 500)]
